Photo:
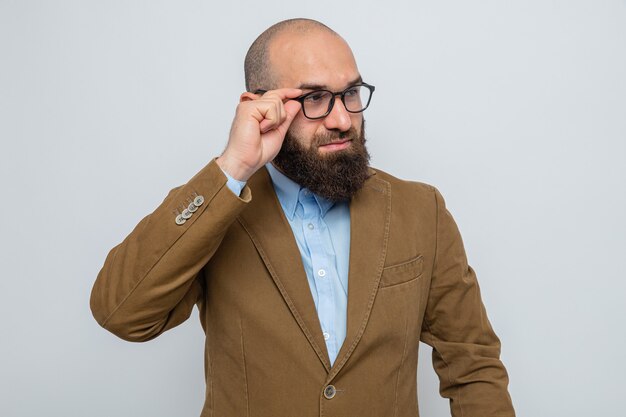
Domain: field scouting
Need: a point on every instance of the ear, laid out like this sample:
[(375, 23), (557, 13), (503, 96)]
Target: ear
[(248, 96)]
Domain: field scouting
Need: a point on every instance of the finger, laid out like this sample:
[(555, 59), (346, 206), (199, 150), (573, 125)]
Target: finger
[(283, 93), (291, 110), (280, 113), (266, 125), (271, 110), (267, 113), (274, 115)]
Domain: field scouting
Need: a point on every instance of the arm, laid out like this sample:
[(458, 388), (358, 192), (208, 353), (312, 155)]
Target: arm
[(148, 282), (466, 351)]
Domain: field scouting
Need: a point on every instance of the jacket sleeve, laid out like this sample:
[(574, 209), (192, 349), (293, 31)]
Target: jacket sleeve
[(148, 282), (466, 351)]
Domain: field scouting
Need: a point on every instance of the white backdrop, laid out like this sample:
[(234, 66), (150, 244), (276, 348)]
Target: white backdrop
[(515, 110)]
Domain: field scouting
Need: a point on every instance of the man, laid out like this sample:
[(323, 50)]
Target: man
[(315, 275)]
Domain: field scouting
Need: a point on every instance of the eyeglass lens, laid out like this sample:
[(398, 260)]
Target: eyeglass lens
[(317, 103)]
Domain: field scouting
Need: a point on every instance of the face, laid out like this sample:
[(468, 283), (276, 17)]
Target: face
[(311, 61), (327, 156)]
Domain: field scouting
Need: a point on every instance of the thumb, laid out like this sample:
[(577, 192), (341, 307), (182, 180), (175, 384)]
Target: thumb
[(292, 108)]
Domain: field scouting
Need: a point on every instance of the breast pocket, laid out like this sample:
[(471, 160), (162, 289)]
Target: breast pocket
[(402, 273)]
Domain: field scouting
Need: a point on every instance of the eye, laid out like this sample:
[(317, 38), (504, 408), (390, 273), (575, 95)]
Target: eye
[(352, 92), (316, 96)]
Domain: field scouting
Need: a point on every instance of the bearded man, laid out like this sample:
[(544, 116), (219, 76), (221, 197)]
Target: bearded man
[(315, 275)]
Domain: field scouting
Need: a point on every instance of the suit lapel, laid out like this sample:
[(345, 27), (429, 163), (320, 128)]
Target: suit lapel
[(370, 216), (265, 222)]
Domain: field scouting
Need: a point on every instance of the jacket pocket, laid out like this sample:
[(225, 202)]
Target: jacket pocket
[(402, 273)]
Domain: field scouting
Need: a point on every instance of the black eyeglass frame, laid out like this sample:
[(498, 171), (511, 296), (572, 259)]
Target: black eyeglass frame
[(331, 103)]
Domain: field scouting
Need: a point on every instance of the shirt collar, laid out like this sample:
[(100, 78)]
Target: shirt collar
[(287, 192)]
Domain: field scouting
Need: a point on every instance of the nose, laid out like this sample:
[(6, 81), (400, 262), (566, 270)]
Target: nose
[(338, 118)]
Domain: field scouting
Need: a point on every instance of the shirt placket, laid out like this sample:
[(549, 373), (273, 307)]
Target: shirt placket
[(323, 270)]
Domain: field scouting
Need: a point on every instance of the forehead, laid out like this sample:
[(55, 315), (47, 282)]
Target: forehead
[(312, 58)]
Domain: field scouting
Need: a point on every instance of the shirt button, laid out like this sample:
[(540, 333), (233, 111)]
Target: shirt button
[(310, 226), (321, 273), (329, 392), (326, 336)]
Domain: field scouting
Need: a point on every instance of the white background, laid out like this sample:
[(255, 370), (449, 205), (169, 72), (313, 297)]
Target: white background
[(515, 110)]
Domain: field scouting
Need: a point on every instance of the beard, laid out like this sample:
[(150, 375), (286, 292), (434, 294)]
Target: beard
[(335, 176)]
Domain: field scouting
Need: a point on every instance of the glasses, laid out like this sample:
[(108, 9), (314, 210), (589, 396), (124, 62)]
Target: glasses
[(319, 103)]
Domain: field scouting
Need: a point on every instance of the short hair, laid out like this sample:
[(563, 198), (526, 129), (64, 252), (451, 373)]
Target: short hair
[(257, 68)]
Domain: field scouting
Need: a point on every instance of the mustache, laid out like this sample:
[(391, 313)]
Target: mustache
[(330, 137)]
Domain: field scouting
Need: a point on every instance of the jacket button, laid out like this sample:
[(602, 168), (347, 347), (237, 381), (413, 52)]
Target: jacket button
[(180, 220), (186, 214), (198, 201), (329, 392)]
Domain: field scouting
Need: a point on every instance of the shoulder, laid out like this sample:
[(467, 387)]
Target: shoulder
[(401, 186), (411, 195)]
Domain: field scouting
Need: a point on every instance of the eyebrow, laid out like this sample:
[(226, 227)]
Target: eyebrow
[(305, 86)]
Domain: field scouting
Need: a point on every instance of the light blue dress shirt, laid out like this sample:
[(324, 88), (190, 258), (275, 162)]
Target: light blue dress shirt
[(322, 231)]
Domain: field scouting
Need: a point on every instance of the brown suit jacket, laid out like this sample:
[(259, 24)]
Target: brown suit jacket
[(236, 259)]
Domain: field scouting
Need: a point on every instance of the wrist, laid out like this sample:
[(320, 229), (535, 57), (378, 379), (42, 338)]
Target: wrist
[(234, 168)]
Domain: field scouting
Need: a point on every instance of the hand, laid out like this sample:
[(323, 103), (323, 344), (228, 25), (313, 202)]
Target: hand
[(258, 131)]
